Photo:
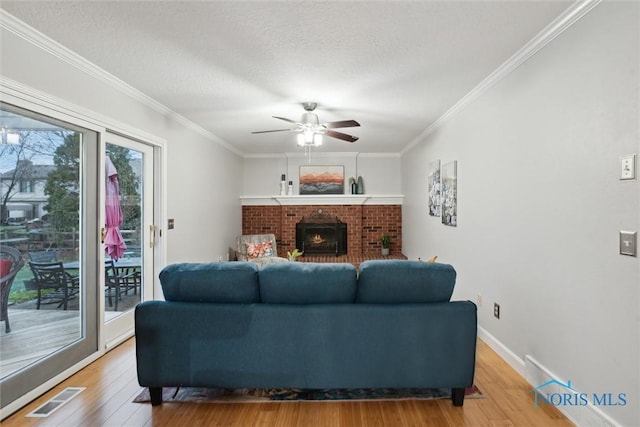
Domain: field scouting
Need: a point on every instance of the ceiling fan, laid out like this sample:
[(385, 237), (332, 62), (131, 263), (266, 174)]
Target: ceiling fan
[(311, 130)]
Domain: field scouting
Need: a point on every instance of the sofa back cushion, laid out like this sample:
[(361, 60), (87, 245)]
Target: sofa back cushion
[(219, 282), (308, 283), (402, 281)]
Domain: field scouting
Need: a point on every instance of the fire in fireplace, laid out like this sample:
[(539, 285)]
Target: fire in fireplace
[(321, 233)]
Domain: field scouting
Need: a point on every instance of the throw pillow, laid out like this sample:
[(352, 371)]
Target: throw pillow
[(259, 250)]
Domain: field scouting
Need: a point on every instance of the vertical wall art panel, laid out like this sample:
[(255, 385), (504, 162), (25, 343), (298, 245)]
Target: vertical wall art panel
[(433, 188), (450, 194)]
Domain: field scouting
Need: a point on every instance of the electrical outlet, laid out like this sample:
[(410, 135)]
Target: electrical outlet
[(479, 300), (496, 310)]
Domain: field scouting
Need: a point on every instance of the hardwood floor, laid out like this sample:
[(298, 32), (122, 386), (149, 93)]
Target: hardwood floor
[(111, 386)]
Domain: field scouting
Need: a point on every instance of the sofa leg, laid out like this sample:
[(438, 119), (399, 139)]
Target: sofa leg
[(156, 395), (457, 396)]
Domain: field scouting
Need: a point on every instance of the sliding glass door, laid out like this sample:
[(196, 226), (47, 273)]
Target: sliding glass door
[(129, 233), (49, 210)]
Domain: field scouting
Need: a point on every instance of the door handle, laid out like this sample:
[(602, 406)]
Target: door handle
[(152, 235)]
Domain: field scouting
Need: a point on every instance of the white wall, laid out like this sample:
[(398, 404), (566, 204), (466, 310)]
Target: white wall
[(540, 206), (380, 172), (203, 179)]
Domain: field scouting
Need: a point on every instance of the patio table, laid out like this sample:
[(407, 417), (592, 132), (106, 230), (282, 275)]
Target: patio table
[(121, 263)]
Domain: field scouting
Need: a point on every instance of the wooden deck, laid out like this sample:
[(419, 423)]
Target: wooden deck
[(37, 333), (34, 335)]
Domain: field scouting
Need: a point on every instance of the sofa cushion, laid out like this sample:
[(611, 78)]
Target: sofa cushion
[(308, 283), (219, 282), (402, 281)]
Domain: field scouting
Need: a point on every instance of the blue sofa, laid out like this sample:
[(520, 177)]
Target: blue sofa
[(307, 325)]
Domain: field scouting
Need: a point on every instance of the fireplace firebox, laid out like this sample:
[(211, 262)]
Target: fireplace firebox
[(321, 233)]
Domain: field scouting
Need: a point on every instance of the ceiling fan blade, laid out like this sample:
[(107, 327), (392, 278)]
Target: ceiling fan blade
[(285, 119), (342, 136), (275, 130), (342, 124)]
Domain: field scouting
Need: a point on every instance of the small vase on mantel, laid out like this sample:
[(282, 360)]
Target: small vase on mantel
[(353, 185), (360, 185)]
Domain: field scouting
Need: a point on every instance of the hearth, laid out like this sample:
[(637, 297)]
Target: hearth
[(320, 233)]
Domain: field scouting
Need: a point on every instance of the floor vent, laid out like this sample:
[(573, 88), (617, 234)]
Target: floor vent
[(56, 402)]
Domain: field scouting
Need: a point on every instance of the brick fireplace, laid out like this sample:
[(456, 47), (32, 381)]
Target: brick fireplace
[(366, 223)]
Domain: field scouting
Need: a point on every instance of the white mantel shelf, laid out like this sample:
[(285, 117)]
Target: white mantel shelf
[(324, 199)]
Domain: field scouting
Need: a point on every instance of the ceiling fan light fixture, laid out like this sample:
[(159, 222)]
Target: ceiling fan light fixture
[(310, 119), (308, 138), (310, 131)]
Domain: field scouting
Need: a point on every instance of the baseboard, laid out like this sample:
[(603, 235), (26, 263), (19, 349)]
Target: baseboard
[(586, 415), (503, 351), (536, 374)]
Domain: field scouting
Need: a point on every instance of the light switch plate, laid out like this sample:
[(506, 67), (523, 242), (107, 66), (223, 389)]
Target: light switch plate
[(628, 243), (628, 167)]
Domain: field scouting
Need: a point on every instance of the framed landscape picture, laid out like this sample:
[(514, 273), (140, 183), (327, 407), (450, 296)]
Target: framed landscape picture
[(321, 179)]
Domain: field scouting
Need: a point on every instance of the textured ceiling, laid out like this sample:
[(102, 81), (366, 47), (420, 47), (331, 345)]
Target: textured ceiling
[(228, 66)]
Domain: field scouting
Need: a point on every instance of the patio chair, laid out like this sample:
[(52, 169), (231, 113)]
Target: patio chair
[(10, 263), (112, 287), (258, 248), (53, 276), (43, 256), (131, 278), (118, 281)]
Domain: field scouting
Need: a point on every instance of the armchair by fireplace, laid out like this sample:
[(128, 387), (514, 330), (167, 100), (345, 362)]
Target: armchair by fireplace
[(259, 248)]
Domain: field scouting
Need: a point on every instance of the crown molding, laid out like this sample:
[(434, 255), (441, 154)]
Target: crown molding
[(43, 42), (569, 17), (15, 92)]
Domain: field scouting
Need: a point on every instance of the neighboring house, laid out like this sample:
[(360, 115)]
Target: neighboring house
[(27, 198)]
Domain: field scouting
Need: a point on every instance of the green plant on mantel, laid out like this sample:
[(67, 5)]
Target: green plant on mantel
[(385, 240)]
